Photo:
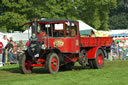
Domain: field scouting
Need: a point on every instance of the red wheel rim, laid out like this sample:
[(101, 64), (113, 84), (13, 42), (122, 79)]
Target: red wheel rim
[(54, 64), (100, 59), (27, 65)]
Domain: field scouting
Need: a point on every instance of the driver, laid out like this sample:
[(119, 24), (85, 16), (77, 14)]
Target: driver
[(68, 32)]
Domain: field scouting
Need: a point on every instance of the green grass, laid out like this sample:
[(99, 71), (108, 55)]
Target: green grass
[(113, 73)]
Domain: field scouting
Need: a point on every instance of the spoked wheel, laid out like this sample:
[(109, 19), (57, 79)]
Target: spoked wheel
[(98, 62), (25, 64), (83, 59), (52, 63)]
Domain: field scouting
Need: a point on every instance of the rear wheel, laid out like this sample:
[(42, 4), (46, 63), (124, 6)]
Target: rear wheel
[(83, 59), (25, 64), (98, 62), (52, 63)]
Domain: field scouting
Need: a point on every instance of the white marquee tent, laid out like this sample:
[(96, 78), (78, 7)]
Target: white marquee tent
[(84, 26)]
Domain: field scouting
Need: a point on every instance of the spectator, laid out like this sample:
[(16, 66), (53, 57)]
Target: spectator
[(14, 48), (5, 42), (124, 49), (10, 38), (114, 50), (120, 47), (11, 56), (9, 46)]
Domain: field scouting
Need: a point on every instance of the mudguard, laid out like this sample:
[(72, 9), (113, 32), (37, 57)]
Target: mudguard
[(92, 52)]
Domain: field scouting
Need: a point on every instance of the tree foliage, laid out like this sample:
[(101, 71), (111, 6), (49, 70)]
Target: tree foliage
[(14, 13), (119, 16), (96, 12)]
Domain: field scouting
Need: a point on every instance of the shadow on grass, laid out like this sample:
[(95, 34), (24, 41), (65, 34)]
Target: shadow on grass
[(80, 67), (40, 70), (12, 69), (37, 70)]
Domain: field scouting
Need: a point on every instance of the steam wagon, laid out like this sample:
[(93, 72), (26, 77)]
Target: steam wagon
[(56, 44)]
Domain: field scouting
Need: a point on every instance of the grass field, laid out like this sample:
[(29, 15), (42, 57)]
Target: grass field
[(113, 73)]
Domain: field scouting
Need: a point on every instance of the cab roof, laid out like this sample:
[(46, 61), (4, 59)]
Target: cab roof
[(50, 21), (57, 20)]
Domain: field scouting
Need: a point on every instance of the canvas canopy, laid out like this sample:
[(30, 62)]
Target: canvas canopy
[(84, 26)]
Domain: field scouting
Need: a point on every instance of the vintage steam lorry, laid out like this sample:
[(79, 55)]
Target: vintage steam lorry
[(56, 44)]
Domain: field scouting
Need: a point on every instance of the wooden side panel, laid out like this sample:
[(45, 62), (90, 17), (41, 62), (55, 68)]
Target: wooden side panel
[(95, 41)]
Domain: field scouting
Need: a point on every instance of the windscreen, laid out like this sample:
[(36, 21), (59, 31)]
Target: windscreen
[(55, 29)]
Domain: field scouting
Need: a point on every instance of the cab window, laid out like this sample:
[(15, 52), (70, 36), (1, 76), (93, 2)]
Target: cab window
[(71, 30)]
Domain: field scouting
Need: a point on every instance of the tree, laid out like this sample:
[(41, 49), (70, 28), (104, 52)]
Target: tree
[(96, 13), (119, 21), (13, 17), (17, 12), (14, 13), (118, 16)]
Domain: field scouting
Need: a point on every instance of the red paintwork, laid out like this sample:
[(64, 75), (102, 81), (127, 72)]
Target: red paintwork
[(54, 63), (1, 46), (68, 46), (40, 60), (95, 41), (100, 59), (27, 43), (92, 52), (70, 43), (40, 35), (37, 65), (74, 59), (71, 58)]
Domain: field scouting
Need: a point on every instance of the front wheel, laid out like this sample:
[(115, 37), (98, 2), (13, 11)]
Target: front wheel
[(52, 63), (25, 64)]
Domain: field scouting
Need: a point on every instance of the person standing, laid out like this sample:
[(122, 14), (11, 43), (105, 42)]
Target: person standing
[(5, 42), (121, 45), (124, 50), (114, 51), (11, 57)]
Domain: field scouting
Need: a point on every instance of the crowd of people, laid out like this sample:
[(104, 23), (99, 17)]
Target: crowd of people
[(9, 50), (119, 49)]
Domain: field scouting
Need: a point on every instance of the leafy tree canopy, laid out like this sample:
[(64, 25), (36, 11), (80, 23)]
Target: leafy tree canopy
[(119, 16), (14, 13)]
